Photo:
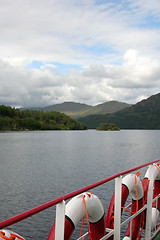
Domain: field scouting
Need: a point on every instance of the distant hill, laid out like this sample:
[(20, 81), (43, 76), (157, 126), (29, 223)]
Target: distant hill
[(143, 115), (77, 110), (107, 107), (72, 109)]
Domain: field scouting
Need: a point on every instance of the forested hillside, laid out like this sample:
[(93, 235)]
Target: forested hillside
[(14, 119), (143, 115)]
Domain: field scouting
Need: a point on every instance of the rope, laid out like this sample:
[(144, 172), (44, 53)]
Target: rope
[(89, 195), (127, 210), (136, 175), (87, 216), (157, 166), (81, 228)]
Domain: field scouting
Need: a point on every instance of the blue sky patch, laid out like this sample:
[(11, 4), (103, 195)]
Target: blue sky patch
[(63, 68)]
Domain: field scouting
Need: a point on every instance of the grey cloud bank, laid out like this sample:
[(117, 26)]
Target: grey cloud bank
[(134, 80), (114, 45)]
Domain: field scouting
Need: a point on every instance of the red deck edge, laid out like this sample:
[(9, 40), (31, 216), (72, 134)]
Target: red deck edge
[(49, 204)]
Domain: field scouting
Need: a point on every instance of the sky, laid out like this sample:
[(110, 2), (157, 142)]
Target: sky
[(87, 51)]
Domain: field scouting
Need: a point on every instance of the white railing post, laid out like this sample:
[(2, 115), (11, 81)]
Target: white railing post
[(149, 204), (117, 208), (60, 220)]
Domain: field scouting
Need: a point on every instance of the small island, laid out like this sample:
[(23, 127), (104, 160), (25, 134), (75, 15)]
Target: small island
[(107, 127)]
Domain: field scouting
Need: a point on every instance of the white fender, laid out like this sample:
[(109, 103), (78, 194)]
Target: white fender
[(155, 216), (156, 177), (8, 233), (75, 211), (156, 173), (128, 187), (75, 208), (129, 182)]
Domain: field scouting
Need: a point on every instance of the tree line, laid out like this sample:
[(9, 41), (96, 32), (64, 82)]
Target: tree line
[(15, 120), (107, 127)]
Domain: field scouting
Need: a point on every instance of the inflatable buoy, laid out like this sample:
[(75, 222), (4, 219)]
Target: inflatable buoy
[(9, 235), (75, 211), (155, 206), (130, 184)]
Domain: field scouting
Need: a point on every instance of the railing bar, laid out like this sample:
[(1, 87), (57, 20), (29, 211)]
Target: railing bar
[(117, 208), (137, 213), (156, 213), (128, 206), (133, 216), (154, 199), (131, 229), (109, 230), (60, 220), (149, 204), (155, 233), (83, 237), (108, 235)]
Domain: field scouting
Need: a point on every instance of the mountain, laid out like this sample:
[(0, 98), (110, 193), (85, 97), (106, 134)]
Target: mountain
[(142, 115), (78, 110), (72, 109), (107, 107)]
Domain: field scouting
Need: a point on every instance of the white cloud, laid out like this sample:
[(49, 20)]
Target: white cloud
[(118, 41), (137, 77), (51, 30)]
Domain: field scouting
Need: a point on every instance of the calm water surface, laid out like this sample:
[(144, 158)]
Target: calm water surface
[(37, 167)]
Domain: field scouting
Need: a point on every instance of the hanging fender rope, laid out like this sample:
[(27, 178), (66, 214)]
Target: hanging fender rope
[(157, 166), (89, 195), (84, 202), (81, 228), (136, 175)]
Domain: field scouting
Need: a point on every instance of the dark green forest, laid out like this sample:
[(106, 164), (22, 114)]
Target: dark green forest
[(143, 115), (15, 120), (107, 127)]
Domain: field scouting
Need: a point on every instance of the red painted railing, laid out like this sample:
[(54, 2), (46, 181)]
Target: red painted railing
[(49, 204)]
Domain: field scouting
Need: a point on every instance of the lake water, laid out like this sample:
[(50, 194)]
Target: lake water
[(39, 166)]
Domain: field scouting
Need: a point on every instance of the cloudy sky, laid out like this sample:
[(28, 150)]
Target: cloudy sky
[(88, 51)]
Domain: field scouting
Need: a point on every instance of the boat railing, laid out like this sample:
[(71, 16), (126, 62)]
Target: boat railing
[(60, 204)]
